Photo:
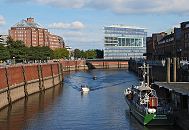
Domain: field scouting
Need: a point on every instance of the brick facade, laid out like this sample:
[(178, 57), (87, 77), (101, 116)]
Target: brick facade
[(32, 34), (175, 44)]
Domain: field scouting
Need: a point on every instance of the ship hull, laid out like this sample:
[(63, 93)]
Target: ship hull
[(149, 119)]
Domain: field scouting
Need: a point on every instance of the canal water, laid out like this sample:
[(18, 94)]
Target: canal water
[(65, 108)]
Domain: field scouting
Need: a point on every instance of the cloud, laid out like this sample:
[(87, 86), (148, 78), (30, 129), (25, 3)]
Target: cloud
[(77, 25), (121, 6), (64, 3), (2, 20), (82, 40)]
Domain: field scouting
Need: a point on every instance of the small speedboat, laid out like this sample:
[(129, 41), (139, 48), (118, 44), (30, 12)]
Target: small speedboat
[(84, 88), (94, 77)]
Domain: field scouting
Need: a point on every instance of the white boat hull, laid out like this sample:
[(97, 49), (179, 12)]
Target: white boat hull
[(85, 89)]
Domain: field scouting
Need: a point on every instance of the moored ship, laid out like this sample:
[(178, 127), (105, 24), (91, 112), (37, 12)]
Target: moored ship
[(144, 104)]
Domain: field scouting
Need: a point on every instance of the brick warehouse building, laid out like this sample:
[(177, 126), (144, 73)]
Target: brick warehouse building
[(32, 34), (175, 44)]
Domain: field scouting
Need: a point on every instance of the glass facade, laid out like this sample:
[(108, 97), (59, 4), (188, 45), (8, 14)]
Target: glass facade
[(122, 42)]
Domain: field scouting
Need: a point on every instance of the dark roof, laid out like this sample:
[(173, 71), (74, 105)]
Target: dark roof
[(167, 37), (180, 87)]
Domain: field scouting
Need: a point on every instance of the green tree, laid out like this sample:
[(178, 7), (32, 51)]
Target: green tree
[(99, 53), (61, 53), (4, 55), (46, 53), (39, 53), (77, 54), (90, 54), (17, 50), (83, 55)]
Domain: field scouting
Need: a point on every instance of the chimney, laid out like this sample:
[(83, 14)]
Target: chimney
[(30, 20)]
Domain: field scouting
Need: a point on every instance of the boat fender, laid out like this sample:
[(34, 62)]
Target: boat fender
[(151, 110)]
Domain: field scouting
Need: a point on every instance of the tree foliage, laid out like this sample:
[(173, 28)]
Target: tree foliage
[(77, 53), (88, 54), (20, 52), (99, 53), (17, 50), (4, 55), (61, 53)]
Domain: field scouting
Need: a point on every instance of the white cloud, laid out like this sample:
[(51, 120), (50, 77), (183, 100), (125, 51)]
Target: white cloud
[(82, 40), (124, 6), (2, 20), (64, 3), (77, 25)]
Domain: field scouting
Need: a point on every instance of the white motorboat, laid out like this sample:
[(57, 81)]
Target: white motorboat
[(85, 88)]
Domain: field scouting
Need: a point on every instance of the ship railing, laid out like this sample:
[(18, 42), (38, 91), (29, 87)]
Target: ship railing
[(164, 110), (140, 108)]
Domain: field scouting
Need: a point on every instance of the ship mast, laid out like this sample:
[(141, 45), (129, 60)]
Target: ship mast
[(146, 74)]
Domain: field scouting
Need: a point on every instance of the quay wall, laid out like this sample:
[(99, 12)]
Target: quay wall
[(107, 64), (157, 71), (19, 81)]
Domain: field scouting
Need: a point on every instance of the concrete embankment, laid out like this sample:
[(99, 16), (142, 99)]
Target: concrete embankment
[(20, 81)]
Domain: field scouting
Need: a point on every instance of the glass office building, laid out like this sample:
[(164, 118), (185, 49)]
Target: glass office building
[(123, 42)]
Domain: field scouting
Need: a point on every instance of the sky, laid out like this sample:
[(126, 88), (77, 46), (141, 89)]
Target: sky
[(81, 22)]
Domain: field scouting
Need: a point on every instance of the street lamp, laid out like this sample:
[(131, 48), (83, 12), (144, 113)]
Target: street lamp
[(13, 60)]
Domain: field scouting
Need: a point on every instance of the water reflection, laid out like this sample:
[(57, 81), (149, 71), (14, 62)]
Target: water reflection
[(61, 108), (15, 117)]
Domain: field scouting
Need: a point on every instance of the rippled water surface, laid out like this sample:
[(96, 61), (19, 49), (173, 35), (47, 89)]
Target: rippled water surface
[(65, 108)]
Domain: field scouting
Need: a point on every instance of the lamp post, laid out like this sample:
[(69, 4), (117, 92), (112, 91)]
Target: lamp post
[(13, 60)]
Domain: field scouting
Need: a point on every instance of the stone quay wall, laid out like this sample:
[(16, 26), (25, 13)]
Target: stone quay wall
[(19, 81)]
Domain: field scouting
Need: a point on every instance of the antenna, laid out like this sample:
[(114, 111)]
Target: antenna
[(146, 73)]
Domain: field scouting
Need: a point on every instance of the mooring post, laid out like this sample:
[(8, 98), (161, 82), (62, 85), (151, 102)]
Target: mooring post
[(25, 81), (40, 76), (174, 69), (61, 69), (8, 87), (59, 72), (52, 74), (148, 75), (69, 65), (76, 65), (168, 69)]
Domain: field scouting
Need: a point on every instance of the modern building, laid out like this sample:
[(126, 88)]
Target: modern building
[(3, 39), (124, 42), (33, 34)]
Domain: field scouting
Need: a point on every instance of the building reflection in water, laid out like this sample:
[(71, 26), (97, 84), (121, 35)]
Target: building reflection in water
[(14, 117)]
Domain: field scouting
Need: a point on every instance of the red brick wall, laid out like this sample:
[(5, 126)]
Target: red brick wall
[(109, 63), (3, 81), (55, 69), (72, 63), (31, 72), (46, 70), (15, 75)]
